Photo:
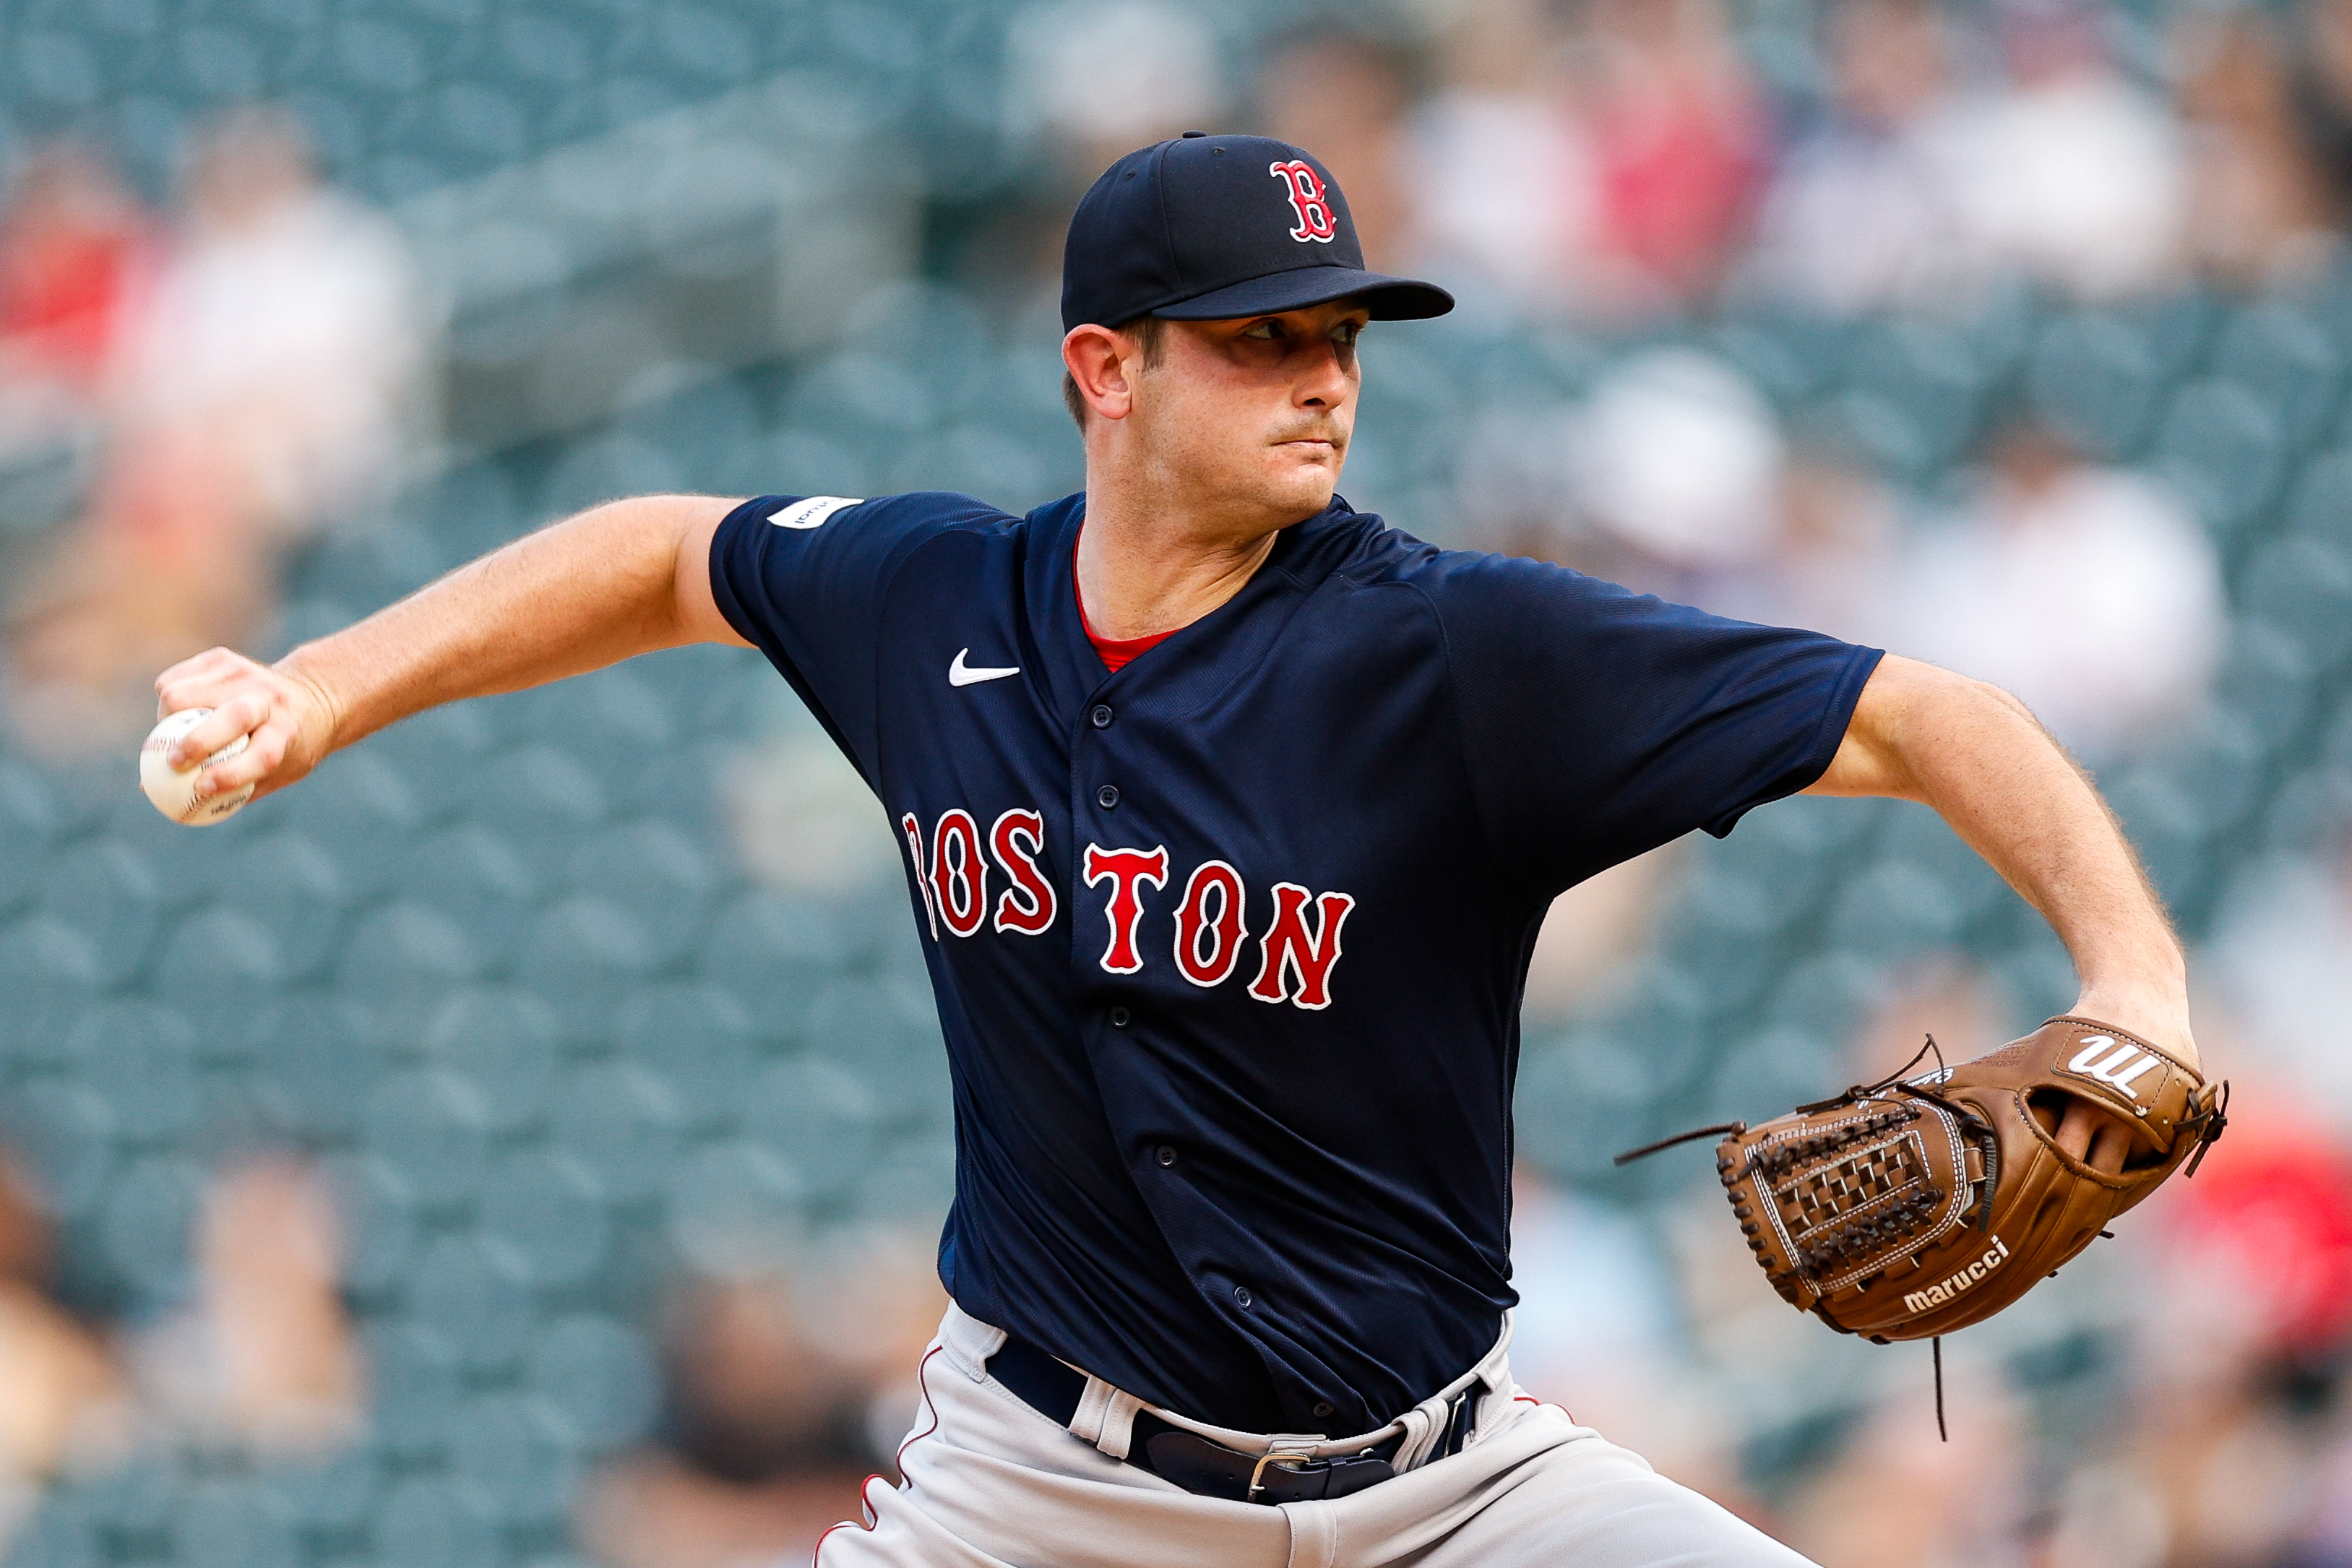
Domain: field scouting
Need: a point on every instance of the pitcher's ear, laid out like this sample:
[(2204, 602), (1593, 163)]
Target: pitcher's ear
[(1091, 354)]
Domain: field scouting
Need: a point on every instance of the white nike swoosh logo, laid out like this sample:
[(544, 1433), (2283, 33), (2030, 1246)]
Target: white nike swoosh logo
[(962, 674)]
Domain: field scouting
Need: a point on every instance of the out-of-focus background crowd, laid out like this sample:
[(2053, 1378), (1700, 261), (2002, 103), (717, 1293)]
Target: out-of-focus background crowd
[(525, 1142)]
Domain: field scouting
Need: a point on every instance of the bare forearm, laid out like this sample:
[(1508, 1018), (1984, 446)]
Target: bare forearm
[(621, 579), (1975, 755), (585, 593)]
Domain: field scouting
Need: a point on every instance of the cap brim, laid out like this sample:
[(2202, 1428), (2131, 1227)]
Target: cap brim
[(1388, 299)]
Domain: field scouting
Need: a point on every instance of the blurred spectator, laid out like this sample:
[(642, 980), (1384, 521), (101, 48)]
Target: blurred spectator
[(60, 1400), (2314, 39), (2281, 949), (1595, 933), (2247, 1293), (2089, 593), (265, 386), (76, 250), (1676, 460), (1501, 180), (1599, 1331), (2261, 204), (1342, 97), (785, 1393), (1107, 78), (263, 1353), (287, 332), (1869, 210), (2074, 176), (1678, 138), (1833, 560), (1893, 1495)]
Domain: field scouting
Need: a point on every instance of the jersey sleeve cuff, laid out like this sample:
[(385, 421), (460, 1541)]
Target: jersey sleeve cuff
[(1821, 749), (727, 548)]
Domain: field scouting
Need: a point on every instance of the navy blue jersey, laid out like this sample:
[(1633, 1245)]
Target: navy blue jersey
[(1229, 945)]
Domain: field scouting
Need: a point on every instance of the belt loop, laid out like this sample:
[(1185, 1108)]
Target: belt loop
[(1314, 1534), (970, 1343), (1105, 1417), (1424, 1428)]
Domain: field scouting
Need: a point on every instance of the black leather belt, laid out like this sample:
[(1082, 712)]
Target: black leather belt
[(1200, 1466)]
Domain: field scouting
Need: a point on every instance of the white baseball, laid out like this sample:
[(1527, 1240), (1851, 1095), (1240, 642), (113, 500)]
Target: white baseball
[(174, 790)]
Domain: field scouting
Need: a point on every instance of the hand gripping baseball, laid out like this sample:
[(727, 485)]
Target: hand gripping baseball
[(289, 720), (1913, 1206)]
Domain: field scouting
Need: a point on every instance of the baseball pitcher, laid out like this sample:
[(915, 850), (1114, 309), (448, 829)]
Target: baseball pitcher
[(1229, 816)]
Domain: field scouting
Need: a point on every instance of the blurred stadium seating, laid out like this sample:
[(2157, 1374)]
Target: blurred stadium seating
[(503, 969)]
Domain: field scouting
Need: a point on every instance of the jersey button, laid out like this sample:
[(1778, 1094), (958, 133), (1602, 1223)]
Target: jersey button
[(1242, 1298), (1167, 1155), (1120, 1017), (1107, 797), (1324, 1407), (1102, 716)]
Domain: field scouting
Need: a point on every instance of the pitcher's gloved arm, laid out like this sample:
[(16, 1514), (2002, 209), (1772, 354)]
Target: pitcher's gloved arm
[(1977, 756)]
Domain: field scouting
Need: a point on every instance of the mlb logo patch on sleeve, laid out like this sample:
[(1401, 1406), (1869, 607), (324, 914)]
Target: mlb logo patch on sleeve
[(812, 512)]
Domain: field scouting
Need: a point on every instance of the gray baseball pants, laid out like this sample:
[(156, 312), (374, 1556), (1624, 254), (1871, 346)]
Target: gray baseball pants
[(992, 1483)]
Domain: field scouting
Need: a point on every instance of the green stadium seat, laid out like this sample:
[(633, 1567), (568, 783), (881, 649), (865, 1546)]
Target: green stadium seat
[(540, 798), (601, 1374), (293, 890), (146, 1226), (2226, 450), (582, 957), (216, 965), (2098, 381), (400, 960), (444, 1520), (817, 1113), (377, 1211), (548, 1209), (235, 1522), (473, 877), (433, 1129), (333, 1492), (475, 1293), (109, 893), (415, 1374), (698, 1038), (2291, 363), (522, 1453), (2300, 587), (650, 866), (505, 1041), (142, 1058), (735, 1206), (356, 808), (66, 1134), (623, 1121), (61, 1532)]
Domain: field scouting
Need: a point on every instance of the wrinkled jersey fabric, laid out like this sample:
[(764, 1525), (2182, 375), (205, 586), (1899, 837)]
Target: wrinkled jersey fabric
[(1228, 944)]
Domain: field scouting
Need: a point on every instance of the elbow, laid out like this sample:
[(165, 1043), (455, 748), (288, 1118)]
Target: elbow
[(2001, 697)]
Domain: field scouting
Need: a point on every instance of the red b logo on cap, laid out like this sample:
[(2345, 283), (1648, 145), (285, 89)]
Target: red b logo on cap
[(1307, 199)]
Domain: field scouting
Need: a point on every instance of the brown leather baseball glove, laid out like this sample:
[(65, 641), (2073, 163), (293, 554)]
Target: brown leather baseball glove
[(1908, 1208)]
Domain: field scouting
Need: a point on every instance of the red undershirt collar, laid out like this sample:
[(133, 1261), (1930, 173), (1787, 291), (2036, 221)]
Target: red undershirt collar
[(1115, 652)]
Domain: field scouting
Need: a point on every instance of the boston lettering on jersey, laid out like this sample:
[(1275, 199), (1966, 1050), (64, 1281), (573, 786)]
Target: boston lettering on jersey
[(1294, 962), (1228, 943)]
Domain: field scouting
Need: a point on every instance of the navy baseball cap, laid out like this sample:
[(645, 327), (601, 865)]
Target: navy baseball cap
[(1202, 228)]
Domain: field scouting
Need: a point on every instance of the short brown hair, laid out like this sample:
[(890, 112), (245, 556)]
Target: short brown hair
[(1149, 333)]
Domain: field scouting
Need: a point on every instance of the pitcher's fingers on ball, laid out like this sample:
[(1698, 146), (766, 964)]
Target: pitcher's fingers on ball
[(232, 716), (259, 759), (201, 680)]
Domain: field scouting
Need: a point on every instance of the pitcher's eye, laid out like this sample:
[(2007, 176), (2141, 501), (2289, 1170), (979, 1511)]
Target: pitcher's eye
[(1268, 330), (1347, 332)]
